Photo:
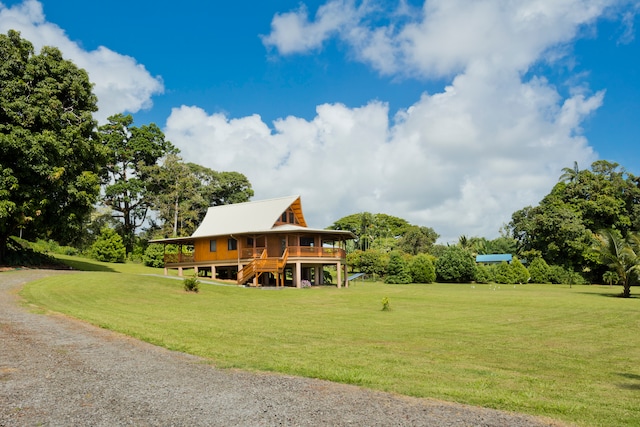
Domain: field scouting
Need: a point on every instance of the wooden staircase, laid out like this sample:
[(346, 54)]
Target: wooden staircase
[(264, 264)]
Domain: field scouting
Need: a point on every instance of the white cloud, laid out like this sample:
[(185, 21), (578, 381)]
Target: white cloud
[(121, 84), (460, 161), (292, 32)]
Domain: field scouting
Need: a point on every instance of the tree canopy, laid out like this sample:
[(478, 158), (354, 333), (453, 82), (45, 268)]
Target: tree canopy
[(561, 228), (50, 157)]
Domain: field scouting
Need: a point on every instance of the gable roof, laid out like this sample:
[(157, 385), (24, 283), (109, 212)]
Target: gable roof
[(248, 217), (253, 217)]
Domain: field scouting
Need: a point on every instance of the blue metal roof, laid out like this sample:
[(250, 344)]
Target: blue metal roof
[(494, 258)]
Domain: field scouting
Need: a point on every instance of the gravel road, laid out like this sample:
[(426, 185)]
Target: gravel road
[(57, 371)]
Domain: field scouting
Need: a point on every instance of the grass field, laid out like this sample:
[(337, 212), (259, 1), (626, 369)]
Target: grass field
[(568, 353)]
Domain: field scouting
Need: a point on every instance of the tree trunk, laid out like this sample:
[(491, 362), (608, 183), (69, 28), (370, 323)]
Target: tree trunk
[(626, 293)]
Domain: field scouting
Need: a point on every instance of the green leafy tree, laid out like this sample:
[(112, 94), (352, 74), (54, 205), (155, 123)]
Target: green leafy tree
[(49, 156), (397, 269), (370, 227), (455, 265), (622, 256), (484, 274), (374, 262), (416, 240), (503, 273), (422, 269), (108, 247), (131, 152), (539, 270), (583, 202), (519, 271)]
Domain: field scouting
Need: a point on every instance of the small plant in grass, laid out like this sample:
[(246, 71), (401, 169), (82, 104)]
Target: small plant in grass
[(305, 284), (385, 304), (191, 284)]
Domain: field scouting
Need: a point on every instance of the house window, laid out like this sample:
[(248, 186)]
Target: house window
[(306, 241), (232, 244), (291, 217), (250, 242), (284, 217), (212, 245)]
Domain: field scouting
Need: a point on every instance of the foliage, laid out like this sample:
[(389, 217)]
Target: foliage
[(560, 275), (539, 270), (191, 284), (385, 304), (23, 253), (131, 151), (416, 240), (621, 256), (560, 228), (154, 256), (455, 265), (484, 274), (397, 269), (374, 262), (49, 156), (370, 227), (108, 247), (422, 269), (519, 271), (305, 284), (503, 273), (184, 191)]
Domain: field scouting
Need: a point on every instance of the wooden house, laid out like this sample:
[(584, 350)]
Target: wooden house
[(260, 243)]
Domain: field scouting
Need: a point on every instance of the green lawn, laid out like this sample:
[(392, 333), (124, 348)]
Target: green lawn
[(570, 354)]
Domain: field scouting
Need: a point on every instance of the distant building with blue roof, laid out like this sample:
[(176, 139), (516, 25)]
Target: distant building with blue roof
[(494, 258)]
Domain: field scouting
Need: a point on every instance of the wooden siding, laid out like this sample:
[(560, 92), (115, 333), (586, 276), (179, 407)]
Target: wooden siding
[(202, 252)]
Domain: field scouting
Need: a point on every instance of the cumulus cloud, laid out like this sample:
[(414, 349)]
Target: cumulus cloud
[(461, 160), (121, 84)]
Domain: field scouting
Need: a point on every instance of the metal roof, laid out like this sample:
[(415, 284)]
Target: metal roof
[(251, 218), (494, 258)]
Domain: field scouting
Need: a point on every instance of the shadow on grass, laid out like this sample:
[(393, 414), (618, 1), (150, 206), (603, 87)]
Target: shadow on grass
[(634, 383), (609, 295), (86, 265)]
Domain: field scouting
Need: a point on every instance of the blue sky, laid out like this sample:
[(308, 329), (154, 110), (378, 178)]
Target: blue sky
[(451, 114)]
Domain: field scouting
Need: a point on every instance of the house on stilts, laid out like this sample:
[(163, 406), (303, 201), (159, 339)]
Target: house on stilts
[(261, 243)]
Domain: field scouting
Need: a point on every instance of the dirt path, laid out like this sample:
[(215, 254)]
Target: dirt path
[(56, 371)]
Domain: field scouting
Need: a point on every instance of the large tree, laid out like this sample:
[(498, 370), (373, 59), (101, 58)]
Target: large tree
[(182, 193), (49, 154), (560, 228), (370, 228), (132, 152)]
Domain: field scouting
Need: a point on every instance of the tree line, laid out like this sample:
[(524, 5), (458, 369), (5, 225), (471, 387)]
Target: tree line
[(57, 166)]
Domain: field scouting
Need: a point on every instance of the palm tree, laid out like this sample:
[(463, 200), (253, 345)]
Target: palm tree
[(570, 174), (622, 256)]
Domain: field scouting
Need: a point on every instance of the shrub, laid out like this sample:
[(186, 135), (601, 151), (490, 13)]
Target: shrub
[(385, 304), (373, 262), (455, 265), (422, 269), (191, 284), (153, 256), (519, 272), (397, 269), (484, 274), (504, 273), (108, 247), (539, 270)]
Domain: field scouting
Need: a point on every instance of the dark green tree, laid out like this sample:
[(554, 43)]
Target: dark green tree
[(108, 247), (131, 152), (422, 269), (416, 240), (455, 265), (584, 201), (539, 270), (397, 269), (49, 155)]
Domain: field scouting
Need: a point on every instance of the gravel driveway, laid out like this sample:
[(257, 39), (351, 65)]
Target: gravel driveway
[(56, 371)]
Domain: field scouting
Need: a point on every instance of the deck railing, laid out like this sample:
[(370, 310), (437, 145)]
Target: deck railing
[(298, 251), (177, 258)]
